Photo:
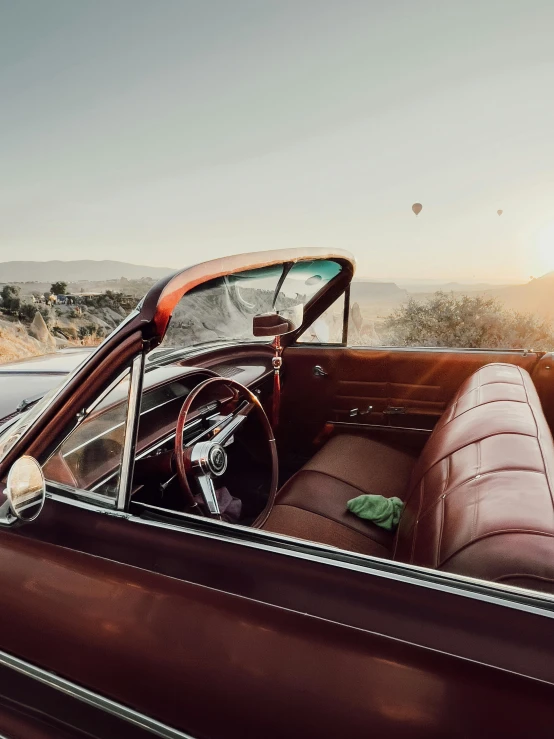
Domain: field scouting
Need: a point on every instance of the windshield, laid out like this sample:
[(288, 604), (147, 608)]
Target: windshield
[(223, 309)]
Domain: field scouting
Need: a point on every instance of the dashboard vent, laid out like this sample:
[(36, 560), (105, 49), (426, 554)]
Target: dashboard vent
[(228, 370)]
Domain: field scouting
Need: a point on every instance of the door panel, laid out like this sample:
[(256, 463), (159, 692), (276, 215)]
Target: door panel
[(397, 388), (298, 647)]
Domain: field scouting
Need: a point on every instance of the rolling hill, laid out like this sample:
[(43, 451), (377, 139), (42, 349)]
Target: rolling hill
[(75, 271), (536, 296)]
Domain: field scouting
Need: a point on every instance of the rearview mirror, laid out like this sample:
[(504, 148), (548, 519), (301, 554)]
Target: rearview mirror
[(25, 492), (278, 323)]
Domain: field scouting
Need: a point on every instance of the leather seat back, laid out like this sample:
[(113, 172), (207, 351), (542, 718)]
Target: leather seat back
[(480, 499)]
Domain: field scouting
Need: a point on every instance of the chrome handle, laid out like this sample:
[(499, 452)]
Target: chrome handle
[(353, 412), (394, 410), (319, 371)]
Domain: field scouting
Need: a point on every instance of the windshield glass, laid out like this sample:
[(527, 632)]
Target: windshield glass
[(223, 309)]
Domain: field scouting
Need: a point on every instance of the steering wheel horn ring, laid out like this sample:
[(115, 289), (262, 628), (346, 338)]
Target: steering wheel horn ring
[(207, 458)]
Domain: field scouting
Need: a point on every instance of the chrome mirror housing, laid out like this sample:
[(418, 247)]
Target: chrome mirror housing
[(25, 492)]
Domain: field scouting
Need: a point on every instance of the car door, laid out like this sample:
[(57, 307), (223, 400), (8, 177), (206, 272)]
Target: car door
[(170, 619), (375, 389)]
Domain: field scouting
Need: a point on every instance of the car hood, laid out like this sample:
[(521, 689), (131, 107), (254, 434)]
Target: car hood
[(62, 362), (30, 379)]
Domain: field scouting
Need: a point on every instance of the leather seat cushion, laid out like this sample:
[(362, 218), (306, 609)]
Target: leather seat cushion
[(370, 466), (312, 504), (480, 501)]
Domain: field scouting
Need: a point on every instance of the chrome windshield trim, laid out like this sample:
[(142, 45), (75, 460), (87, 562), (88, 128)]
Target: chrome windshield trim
[(104, 394), (91, 698), (131, 428)]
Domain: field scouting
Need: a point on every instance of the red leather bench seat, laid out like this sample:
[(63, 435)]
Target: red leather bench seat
[(478, 501), (480, 497)]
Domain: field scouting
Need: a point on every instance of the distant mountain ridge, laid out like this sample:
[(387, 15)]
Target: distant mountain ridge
[(77, 270), (536, 296)]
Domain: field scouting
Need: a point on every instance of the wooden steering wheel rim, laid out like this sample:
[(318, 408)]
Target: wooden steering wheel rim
[(180, 451)]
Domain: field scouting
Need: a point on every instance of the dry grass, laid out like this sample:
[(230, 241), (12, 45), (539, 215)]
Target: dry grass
[(15, 343)]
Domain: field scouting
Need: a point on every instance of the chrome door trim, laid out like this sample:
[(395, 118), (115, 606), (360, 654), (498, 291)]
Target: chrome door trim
[(379, 426), (541, 604), (93, 699), (288, 546), (429, 349), (521, 599), (131, 428)]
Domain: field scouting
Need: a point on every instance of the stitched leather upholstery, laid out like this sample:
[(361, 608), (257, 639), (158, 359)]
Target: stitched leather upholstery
[(479, 500)]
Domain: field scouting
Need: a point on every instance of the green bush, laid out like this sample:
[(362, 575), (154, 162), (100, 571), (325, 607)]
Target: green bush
[(10, 298), (27, 312), (449, 320)]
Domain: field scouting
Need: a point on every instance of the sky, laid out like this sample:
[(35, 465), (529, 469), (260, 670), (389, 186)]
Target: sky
[(174, 131)]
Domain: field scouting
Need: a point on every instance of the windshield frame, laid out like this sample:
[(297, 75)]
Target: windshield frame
[(149, 322)]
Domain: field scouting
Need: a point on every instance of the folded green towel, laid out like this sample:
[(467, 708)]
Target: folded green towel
[(384, 512)]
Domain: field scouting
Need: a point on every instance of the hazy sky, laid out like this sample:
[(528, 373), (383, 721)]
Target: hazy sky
[(168, 131)]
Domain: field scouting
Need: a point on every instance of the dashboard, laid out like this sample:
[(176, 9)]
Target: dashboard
[(90, 456)]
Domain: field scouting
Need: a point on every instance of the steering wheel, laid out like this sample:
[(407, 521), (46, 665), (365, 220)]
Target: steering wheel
[(206, 459)]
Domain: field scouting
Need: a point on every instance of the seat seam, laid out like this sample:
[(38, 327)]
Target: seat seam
[(414, 535), (438, 554), (530, 575), (474, 441), (546, 472), (447, 494), (481, 405), (490, 534), (476, 496), (486, 384)]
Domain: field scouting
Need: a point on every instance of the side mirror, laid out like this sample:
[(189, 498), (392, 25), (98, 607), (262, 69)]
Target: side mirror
[(25, 492), (281, 322)]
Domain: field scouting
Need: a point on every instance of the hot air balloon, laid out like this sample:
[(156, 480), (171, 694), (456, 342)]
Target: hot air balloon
[(499, 212), (416, 207)]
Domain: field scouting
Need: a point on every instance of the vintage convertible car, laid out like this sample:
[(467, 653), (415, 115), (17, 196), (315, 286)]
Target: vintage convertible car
[(188, 565)]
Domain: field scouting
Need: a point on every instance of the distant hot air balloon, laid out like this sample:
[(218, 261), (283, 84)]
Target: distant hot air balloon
[(416, 207), (499, 212)]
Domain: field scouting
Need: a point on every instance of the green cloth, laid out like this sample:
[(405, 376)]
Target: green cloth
[(384, 512)]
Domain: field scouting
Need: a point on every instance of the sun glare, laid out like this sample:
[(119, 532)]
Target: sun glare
[(544, 249)]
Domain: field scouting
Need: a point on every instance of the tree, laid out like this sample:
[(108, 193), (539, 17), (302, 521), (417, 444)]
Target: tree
[(10, 298), (27, 312), (58, 288), (449, 320)]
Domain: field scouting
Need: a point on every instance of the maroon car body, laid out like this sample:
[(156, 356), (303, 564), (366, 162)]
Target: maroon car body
[(124, 618)]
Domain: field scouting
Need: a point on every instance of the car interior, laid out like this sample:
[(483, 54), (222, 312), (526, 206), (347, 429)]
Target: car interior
[(461, 437)]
